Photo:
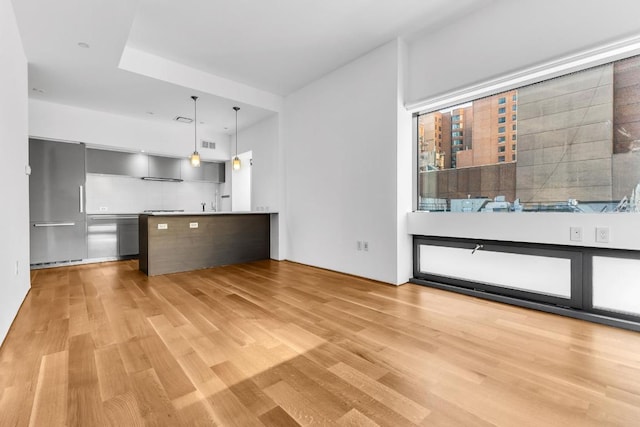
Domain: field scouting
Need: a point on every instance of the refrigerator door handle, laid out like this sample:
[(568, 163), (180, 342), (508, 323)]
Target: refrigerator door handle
[(55, 224), (81, 199)]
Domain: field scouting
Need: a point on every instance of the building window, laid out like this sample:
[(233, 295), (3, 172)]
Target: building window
[(500, 159), (555, 175), (456, 126)]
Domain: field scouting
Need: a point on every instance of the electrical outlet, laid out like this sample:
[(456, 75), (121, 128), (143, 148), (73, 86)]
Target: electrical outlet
[(365, 246), (103, 208), (163, 226), (193, 225), (575, 234), (359, 245), (602, 234)]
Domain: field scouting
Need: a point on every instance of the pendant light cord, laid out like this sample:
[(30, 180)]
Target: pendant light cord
[(236, 110), (236, 133), (195, 124)]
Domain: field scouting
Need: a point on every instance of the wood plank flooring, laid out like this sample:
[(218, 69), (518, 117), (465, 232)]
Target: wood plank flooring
[(281, 344)]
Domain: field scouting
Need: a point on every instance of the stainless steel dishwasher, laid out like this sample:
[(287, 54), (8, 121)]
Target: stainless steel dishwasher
[(102, 236), (112, 236)]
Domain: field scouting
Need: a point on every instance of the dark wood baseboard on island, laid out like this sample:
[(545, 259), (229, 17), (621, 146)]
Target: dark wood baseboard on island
[(193, 242)]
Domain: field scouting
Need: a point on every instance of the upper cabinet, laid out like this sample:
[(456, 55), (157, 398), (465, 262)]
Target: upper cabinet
[(164, 167), (117, 163), (208, 171), (213, 172), (189, 173), (140, 165)]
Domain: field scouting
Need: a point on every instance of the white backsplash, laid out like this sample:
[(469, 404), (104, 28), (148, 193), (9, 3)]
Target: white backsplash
[(120, 194)]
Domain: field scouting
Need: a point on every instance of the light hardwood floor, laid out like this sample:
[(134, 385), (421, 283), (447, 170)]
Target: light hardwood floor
[(280, 344)]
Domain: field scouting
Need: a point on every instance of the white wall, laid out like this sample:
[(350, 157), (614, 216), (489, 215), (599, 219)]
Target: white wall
[(262, 140), (14, 154), (404, 172), (340, 136), (241, 184), (544, 227), (66, 123), (506, 36), (267, 182)]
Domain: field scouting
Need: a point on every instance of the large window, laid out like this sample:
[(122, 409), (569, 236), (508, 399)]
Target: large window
[(577, 139)]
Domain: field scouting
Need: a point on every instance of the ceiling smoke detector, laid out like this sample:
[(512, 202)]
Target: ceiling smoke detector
[(183, 119)]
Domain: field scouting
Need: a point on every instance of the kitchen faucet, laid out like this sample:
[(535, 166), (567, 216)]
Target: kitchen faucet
[(214, 203)]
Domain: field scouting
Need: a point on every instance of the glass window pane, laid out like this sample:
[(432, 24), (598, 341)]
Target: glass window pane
[(570, 158)]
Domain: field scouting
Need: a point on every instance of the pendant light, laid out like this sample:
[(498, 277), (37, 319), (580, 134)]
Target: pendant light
[(195, 157), (236, 159)]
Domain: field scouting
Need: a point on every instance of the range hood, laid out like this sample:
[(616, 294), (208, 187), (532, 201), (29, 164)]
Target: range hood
[(154, 178)]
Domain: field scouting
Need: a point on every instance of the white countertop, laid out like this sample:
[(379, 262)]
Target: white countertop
[(206, 213), (190, 213)]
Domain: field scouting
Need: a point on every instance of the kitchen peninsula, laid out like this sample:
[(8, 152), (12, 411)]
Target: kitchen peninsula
[(172, 242)]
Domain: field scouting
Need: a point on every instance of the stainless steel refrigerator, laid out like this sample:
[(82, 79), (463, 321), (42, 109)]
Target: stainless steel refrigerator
[(57, 201)]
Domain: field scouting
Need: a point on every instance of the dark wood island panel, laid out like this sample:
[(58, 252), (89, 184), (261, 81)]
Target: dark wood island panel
[(217, 239)]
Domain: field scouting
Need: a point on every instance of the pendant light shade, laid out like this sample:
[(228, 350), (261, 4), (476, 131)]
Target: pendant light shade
[(236, 160), (195, 157)]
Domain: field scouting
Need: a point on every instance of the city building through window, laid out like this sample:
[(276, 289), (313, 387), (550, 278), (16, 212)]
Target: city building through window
[(578, 141)]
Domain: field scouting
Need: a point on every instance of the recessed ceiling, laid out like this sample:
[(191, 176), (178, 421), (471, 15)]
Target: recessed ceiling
[(74, 49), (278, 45)]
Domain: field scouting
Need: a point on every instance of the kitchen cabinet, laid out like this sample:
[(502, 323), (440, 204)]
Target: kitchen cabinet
[(140, 165), (128, 235), (117, 163), (213, 172), (189, 173), (164, 167), (208, 171), (219, 239)]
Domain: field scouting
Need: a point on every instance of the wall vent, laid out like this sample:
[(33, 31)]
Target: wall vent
[(208, 144)]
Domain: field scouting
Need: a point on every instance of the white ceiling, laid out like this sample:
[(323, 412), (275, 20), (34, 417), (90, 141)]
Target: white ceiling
[(264, 46)]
